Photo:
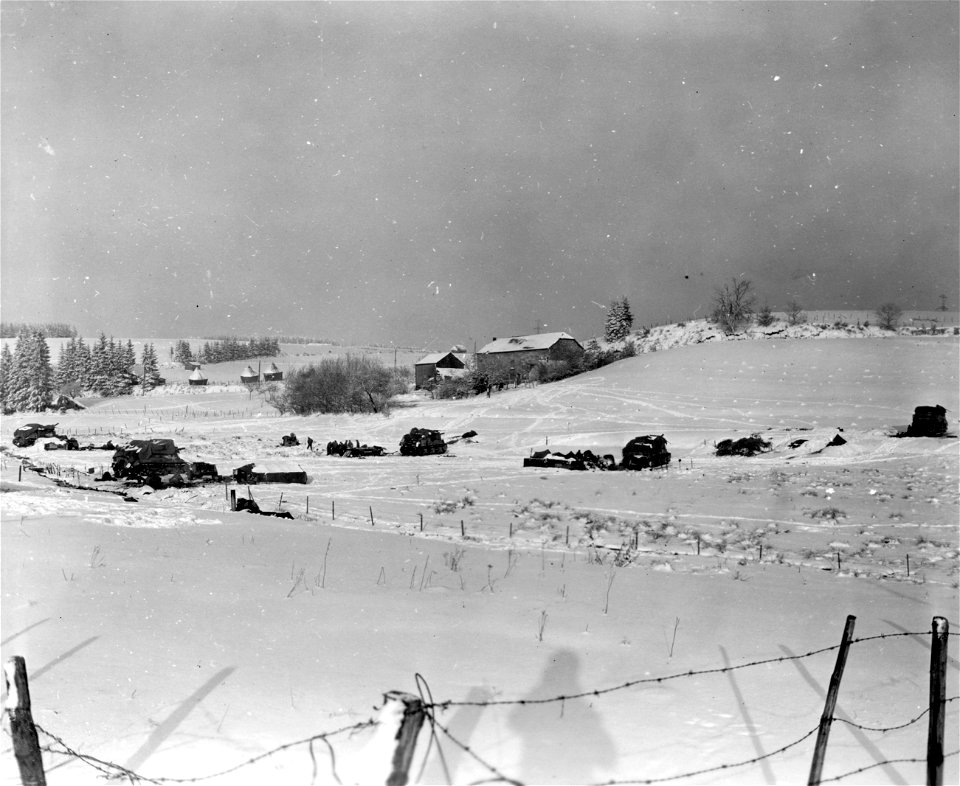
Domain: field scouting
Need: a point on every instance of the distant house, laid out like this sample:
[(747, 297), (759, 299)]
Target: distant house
[(249, 377), (520, 353), (197, 378), (442, 364), (272, 374), (189, 365)]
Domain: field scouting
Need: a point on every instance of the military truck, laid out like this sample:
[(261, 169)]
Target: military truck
[(645, 452), (155, 462), (27, 435), (422, 442), (928, 422)]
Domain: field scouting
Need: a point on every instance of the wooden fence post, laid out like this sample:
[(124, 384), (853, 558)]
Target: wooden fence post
[(233, 499), (820, 750), (938, 696), (371, 516), (26, 745), (410, 725), (333, 510)]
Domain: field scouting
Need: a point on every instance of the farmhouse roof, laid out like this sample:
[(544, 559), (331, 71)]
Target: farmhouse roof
[(272, 370), (524, 343), (196, 375), (436, 357), (248, 372)]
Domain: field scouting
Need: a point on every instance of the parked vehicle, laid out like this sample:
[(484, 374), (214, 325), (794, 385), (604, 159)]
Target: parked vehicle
[(27, 435), (580, 460), (928, 422), (422, 442), (645, 452), (352, 449), (152, 461)]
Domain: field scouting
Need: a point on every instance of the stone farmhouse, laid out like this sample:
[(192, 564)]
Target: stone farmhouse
[(520, 353)]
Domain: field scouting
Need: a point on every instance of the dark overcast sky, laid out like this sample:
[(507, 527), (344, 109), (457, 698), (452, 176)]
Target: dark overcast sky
[(447, 172)]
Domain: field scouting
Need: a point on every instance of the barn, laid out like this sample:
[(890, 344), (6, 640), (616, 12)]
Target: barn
[(442, 364), (272, 374), (249, 377), (197, 378), (520, 353)]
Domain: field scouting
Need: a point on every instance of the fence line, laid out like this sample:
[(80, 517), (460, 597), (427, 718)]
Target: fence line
[(428, 707), (112, 770), (883, 764), (654, 680), (885, 729)]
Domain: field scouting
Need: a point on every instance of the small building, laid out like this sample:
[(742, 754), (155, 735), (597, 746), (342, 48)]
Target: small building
[(197, 378), (520, 353), (249, 377), (190, 365), (439, 364), (272, 374)]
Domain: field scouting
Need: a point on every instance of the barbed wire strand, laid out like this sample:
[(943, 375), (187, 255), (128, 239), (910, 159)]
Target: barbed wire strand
[(883, 764), (891, 728), (499, 777), (719, 767), (656, 680), (424, 690), (113, 770)]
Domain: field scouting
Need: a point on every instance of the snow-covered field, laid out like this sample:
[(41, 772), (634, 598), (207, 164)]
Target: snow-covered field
[(703, 603)]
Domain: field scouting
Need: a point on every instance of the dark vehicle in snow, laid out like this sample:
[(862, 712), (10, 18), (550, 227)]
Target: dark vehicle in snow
[(351, 449), (745, 446), (269, 472), (422, 442), (928, 422), (580, 460), (155, 462), (65, 443), (27, 435), (645, 452)]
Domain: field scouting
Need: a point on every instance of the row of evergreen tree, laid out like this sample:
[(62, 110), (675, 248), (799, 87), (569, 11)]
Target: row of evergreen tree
[(28, 381), (49, 329), (222, 350)]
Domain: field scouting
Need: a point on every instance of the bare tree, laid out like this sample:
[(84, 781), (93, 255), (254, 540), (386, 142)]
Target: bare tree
[(795, 313), (889, 316), (733, 305)]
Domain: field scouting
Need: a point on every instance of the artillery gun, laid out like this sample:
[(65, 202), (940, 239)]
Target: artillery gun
[(155, 462), (645, 452), (422, 442)]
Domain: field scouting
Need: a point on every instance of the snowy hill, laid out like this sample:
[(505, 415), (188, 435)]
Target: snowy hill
[(178, 639)]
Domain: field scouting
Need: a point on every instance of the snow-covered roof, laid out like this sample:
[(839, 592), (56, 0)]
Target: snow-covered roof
[(524, 343), (196, 375), (248, 372), (436, 357), (272, 370)]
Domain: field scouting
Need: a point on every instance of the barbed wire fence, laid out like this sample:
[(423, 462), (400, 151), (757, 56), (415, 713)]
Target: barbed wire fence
[(403, 715)]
